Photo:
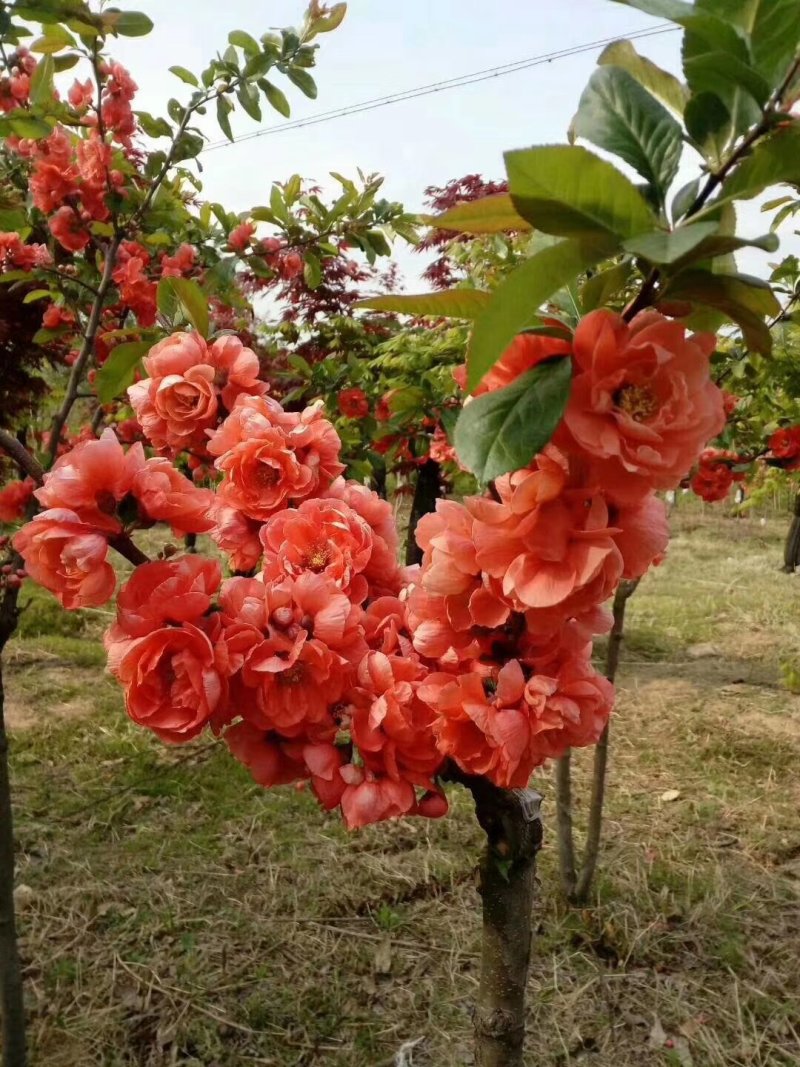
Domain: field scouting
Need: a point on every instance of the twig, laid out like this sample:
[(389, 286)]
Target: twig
[(21, 456), (89, 336)]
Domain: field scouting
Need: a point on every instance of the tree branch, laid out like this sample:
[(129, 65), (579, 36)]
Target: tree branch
[(79, 365), (126, 548), (21, 456)]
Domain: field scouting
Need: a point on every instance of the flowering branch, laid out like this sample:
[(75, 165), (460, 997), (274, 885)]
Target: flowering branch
[(715, 180)]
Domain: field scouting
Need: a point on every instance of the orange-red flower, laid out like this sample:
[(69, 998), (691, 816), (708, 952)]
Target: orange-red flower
[(271, 457), (172, 682), (166, 495), (353, 403), (68, 557), (523, 354), (643, 534), (92, 478), (324, 537), (559, 557), (14, 499), (642, 404), (164, 593)]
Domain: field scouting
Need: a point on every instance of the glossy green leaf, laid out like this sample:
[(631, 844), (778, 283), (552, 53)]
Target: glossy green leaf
[(450, 303), (54, 39), (247, 96), (726, 244), (668, 246), (224, 109), (42, 81), (743, 299), (27, 126), (185, 76), (304, 82), (65, 62), (248, 44), (153, 126), (312, 271), (490, 214), (708, 123), (617, 114), (192, 301), (773, 27), (119, 370), (772, 162), (659, 83), (128, 23), (601, 288), (515, 303), (277, 98), (503, 430), (569, 191)]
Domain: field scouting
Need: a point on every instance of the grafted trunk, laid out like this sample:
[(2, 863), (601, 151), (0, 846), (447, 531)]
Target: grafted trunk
[(791, 548), (512, 823)]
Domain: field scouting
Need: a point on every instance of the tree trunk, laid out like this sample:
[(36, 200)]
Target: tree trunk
[(791, 549), (591, 851), (12, 1004), (566, 836), (426, 493), (512, 823)]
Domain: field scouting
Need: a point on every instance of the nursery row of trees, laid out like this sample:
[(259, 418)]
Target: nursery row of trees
[(597, 325)]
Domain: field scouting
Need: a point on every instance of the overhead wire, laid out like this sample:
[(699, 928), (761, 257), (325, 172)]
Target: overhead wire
[(437, 87)]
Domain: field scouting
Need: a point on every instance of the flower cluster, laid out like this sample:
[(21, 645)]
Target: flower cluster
[(95, 494), (511, 589), (321, 660), (715, 474)]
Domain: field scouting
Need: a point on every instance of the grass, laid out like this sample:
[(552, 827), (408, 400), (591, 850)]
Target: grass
[(173, 913)]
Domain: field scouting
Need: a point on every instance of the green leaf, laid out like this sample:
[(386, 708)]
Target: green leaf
[(304, 82), (192, 301), (54, 39), (743, 299), (277, 98), (708, 123), (65, 62), (28, 126), (42, 81), (185, 76), (490, 214), (153, 126), (667, 247), (224, 108), (248, 44), (617, 114), (248, 98), (119, 370), (516, 301), (659, 83), (502, 431), (774, 28), (450, 303), (258, 65), (128, 23), (601, 287), (724, 245), (772, 162), (312, 271), (569, 191), (37, 294)]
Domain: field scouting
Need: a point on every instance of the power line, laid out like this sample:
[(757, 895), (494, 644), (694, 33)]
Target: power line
[(436, 87)]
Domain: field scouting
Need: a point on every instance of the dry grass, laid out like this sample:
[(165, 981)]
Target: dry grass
[(172, 913)]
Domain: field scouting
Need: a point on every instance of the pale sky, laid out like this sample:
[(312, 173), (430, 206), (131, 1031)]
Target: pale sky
[(382, 47)]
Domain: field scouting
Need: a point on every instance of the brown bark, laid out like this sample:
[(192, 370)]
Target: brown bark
[(565, 831), (791, 548), (512, 823), (12, 1006), (426, 493), (591, 850)]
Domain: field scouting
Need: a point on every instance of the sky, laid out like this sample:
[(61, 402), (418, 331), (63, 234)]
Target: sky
[(385, 46)]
